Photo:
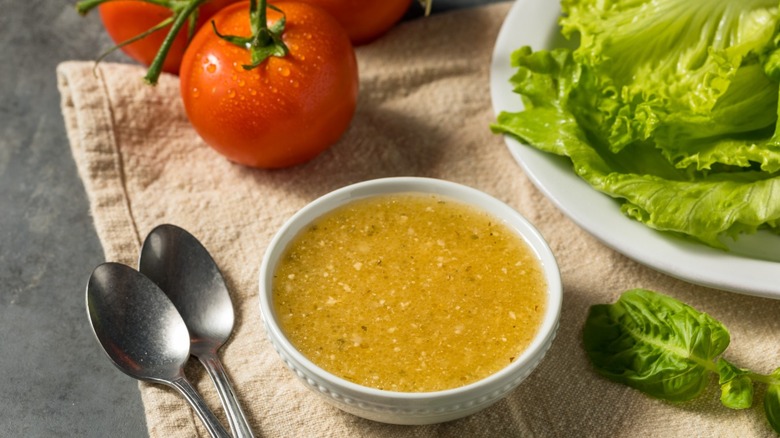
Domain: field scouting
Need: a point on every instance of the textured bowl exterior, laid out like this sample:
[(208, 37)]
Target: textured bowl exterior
[(399, 407)]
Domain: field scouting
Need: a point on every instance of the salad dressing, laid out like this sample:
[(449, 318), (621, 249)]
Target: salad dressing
[(409, 292)]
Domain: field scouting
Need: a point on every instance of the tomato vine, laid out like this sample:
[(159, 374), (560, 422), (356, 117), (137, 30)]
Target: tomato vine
[(182, 11)]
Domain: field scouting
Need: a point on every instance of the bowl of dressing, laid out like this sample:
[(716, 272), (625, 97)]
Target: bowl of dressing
[(410, 300)]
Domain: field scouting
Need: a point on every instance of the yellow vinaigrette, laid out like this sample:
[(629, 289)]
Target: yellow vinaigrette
[(409, 292)]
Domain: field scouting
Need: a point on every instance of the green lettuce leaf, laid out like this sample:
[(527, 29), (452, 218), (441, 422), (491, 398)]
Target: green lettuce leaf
[(671, 62), (670, 106), (654, 343)]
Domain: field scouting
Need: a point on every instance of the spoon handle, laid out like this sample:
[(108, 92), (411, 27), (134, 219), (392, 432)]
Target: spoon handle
[(236, 417), (209, 419)]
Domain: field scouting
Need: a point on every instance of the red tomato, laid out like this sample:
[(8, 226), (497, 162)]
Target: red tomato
[(283, 112), (364, 20), (124, 20)]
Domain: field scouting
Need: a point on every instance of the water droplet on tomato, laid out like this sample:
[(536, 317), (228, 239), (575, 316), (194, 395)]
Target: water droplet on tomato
[(231, 93), (241, 83), (284, 71), (252, 91), (301, 57), (210, 63), (195, 92)]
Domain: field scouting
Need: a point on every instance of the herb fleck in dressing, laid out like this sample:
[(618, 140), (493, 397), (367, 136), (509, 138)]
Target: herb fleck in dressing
[(409, 292)]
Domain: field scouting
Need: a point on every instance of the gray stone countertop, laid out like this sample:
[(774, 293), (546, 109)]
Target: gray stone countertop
[(54, 379)]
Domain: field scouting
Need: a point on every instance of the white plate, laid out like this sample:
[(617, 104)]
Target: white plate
[(750, 267)]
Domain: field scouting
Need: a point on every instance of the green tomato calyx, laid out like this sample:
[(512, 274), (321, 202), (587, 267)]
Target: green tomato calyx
[(265, 40)]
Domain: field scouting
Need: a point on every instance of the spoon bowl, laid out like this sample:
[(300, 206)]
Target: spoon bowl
[(182, 267), (142, 333)]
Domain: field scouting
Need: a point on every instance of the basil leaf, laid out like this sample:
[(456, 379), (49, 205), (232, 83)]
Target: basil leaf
[(772, 401), (654, 343), (737, 393), (736, 387), (772, 404)]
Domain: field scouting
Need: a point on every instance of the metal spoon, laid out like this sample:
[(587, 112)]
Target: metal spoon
[(180, 265), (142, 333)]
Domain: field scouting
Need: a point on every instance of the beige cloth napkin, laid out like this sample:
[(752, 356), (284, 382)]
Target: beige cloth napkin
[(424, 109)]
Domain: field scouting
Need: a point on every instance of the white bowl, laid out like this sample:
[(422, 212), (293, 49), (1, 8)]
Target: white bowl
[(411, 407)]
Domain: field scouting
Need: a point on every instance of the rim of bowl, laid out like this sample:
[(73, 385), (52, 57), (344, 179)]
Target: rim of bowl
[(455, 191)]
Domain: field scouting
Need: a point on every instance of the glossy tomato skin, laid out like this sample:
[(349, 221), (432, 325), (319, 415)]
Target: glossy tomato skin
[(287, 110), (364, 20), (124, 20)]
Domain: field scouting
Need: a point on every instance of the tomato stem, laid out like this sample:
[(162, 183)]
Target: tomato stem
[(156, 28), (265, 41), (182, 10), (258, 17), (180, 17)]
